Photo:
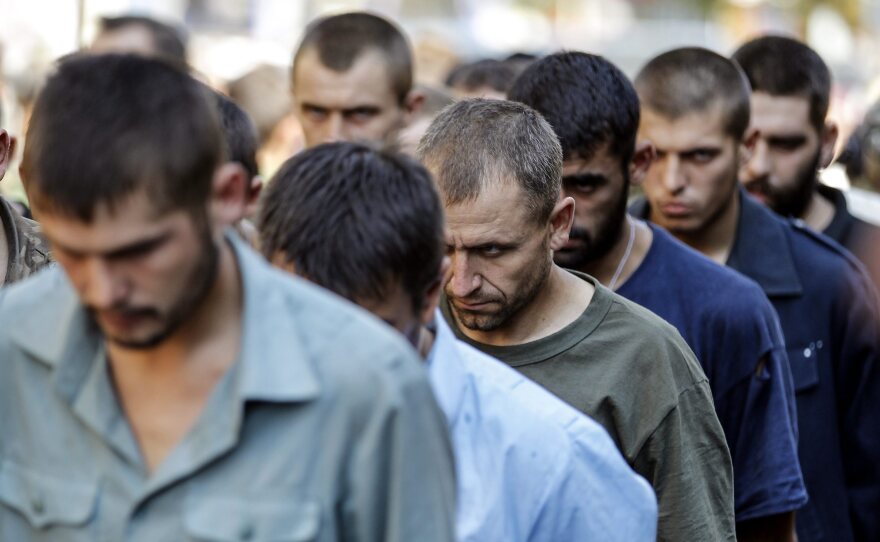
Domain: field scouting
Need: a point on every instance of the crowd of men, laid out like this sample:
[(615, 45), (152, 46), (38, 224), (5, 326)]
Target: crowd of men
[(483, 338)]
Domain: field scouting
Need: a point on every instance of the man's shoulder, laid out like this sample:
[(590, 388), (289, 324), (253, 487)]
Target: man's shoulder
[(338, 337), (510, 397), (705, 284), (820, 255), (34, 252)]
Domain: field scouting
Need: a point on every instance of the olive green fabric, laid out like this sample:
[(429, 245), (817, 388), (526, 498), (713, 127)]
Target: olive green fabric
[(633, 373)]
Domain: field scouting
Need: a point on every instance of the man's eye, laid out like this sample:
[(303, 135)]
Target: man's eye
[(361, 115), (702, 157), (786, 145), (581, 185), (315, 113), (492, 250)]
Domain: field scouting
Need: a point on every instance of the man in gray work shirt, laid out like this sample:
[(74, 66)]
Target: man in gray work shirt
[(165, 383)]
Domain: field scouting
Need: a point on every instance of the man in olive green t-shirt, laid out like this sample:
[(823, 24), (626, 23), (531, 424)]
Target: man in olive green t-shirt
[(498, 166)]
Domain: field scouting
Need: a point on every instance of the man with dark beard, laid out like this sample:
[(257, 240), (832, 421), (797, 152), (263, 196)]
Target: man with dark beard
[(164, 382), (498, 165), (724, 317), (791, 88), (695, 111)]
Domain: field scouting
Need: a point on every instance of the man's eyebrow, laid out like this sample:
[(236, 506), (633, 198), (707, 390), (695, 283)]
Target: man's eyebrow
[(141, 245), (585, 176), (787, 138)]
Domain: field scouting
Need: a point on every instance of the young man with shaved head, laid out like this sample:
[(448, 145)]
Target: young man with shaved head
[(695, 111), (725, 318), (353, 80), (499, 168)]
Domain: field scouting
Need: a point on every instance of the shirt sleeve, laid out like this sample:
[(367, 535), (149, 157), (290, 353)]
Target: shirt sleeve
[(687, 462), (400, 479), (596, 496), (858, 390), (759, 417)]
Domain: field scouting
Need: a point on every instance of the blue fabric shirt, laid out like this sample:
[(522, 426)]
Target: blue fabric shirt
[(730, 325), (530, 467), (829, 315)]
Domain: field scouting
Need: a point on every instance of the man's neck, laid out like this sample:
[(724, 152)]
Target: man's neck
[(716, 239), (605, 268), (561, 300), (216, 319), (819, 212), (163, 390)]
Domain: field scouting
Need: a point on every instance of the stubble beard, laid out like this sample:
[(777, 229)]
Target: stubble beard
[(510, 306), (202, 280)]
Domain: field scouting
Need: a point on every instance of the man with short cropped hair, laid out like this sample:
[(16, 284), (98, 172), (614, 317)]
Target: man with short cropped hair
[(185, 389), (499, 166), (352, 80), (140, 35), (530, 467), (725, 318), (791, 90), (695, 111)]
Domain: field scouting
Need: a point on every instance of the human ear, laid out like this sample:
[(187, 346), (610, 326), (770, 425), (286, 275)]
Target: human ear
[(748, 146), (643, 156), (412, 105), (561, 220), (229, 192), (827, 143), (432, 295), (7, 150)]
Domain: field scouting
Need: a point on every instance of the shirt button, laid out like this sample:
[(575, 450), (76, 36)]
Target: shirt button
[(807, 352), (37, 505), (246, 533)]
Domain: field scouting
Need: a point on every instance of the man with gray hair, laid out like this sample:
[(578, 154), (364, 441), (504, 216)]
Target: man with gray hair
[(498, 166)]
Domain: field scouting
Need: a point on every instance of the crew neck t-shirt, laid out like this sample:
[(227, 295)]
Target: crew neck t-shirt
[(732, 328), (632, 372)]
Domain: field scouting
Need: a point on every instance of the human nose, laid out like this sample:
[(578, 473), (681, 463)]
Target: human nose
[(100, 284), (464, 280), (335, 129), (758, 165), (673, 175)]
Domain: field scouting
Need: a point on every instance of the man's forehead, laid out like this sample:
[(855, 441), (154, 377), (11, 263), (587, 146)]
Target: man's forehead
[(499, 212), (367, 81), (790, 112), (686, 131)]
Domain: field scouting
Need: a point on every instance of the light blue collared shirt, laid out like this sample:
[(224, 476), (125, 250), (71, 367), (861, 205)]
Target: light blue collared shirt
[(325, 429), (529, 466)]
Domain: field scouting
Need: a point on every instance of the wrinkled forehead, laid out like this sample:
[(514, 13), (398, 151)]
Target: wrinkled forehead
[(500, 213)]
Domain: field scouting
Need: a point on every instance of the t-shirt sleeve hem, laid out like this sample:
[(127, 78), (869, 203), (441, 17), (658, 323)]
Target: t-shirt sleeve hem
[(790, 504)]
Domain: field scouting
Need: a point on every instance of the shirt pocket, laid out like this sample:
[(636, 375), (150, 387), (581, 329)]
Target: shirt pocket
[(219, 519), (804, 361), (44, 500)]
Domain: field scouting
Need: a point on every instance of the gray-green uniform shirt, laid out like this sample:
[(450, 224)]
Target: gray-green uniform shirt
[(324, 429), (625, 367)]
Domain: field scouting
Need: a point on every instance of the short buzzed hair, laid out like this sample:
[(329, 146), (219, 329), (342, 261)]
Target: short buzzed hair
[(169, 41), (782, 66), (356, 221), (694, 80), (340, 40), (476, 142), (495, 74)]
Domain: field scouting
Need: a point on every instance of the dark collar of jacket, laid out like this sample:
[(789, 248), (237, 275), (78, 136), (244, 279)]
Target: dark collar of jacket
[(761, 249), (28, 250)]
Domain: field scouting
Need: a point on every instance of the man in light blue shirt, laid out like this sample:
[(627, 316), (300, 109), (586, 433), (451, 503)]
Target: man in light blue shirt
[(369, 226), (164, 382)]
